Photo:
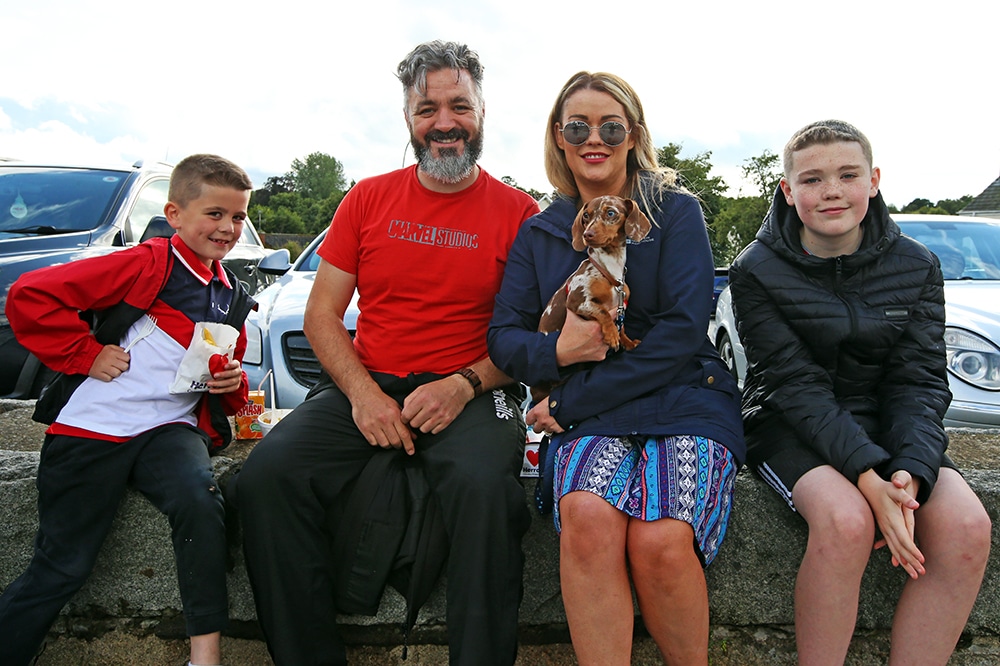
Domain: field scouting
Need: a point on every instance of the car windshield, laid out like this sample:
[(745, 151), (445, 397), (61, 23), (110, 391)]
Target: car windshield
[(967, 250), (45, 201), (309, 261)]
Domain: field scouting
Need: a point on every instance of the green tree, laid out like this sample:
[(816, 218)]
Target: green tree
[(534, 194), (916, 205), (955, 205), (739, 217), (273, 185), (764, 171), (318, 176), (284, 220), (736, 225), (694, 173)]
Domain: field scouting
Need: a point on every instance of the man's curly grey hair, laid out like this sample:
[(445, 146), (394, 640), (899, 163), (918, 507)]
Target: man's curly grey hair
[(433, 56)]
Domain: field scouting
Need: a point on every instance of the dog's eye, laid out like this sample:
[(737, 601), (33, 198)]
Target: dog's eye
[(612, 214)]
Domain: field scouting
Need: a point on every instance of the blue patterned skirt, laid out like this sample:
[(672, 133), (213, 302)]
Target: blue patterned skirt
[(685, 477)]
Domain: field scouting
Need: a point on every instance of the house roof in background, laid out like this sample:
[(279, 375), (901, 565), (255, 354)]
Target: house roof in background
[(987, 203)]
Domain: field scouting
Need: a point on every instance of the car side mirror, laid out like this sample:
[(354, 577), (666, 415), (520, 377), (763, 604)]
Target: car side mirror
[(278, 262)]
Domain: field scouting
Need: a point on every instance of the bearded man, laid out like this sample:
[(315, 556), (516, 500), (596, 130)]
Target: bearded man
[(425, 248)]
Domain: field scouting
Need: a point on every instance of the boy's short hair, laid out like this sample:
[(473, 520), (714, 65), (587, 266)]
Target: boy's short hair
[(194, 171), (825, 131), (433, 56)]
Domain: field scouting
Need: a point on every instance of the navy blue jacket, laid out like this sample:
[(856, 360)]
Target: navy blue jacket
[(846, 354), (673, 383)]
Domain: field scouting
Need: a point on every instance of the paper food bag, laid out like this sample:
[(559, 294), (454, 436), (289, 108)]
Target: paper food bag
[(211, 348)]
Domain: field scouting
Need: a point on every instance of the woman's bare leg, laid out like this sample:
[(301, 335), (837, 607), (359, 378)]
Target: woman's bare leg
[(670, 586), (595, 584)]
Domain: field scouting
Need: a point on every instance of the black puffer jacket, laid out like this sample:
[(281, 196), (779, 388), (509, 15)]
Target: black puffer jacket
[(846, 355)]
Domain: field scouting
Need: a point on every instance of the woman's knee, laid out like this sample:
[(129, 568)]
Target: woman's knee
[(665, 545), (591, 527)]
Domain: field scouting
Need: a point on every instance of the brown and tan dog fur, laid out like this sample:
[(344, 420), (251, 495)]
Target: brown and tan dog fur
[(597, 289)]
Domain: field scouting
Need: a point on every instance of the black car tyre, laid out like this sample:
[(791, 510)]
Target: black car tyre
[(725, 347)]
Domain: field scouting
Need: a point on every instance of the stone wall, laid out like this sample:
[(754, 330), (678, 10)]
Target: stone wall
[(134, 586)]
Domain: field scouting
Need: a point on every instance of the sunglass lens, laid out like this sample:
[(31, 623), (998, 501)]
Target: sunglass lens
[(576, 132), (612, 133)]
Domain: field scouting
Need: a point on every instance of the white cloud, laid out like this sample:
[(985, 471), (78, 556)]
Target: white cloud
[(265, 83)]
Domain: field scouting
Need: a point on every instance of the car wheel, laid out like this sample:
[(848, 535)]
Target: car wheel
[(725, 347)]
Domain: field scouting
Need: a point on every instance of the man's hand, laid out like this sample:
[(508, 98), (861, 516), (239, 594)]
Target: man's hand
[(432, 407), (580, 340), (228, 379), (379, 419), (893, 507), (110, 363)]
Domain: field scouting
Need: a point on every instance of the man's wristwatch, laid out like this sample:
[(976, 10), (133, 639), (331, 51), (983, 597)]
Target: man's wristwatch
[(470, 374)]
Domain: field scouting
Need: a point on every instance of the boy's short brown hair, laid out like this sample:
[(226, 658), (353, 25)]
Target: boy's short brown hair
[(825, 131), (194, 171)]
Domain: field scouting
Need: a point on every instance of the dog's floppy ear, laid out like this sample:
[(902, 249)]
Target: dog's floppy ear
[(636, 224), (578, 243)]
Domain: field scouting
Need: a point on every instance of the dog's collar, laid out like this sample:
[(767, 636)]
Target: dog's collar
[(603, 271), (619, 289)]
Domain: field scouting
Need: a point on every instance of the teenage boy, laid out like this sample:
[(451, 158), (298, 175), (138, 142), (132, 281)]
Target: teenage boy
[(842, 318), (125, 425)]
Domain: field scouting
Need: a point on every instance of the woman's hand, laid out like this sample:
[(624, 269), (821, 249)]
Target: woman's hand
[(540, 420), (893, 504), (580, 340)]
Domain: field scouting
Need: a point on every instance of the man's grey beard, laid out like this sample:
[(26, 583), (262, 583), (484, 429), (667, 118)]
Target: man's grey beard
[(451, 167)]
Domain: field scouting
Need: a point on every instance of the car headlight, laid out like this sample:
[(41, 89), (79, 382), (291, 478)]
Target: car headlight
[(972, 358), (255, 353)]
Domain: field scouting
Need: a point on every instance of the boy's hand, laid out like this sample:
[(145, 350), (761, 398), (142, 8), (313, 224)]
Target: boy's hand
[(110, 363), (228, 379), (893, 508)]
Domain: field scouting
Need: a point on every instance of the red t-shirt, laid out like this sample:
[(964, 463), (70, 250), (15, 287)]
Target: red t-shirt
[(428, 267)]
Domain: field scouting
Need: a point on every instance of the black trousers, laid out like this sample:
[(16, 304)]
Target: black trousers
[(293, 480), (80, 485)]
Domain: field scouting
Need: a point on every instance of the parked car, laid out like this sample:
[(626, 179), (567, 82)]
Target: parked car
[(969, 250), (726, 339), (275, 340), (52, 214), (721, 280)]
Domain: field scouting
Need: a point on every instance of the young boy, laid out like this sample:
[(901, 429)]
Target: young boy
[(124, 425), (842, 318)]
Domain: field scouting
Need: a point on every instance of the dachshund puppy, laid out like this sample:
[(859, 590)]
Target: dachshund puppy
[(597, 289)]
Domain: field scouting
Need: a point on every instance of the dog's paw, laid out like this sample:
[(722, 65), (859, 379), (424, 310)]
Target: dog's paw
[(628, 343)]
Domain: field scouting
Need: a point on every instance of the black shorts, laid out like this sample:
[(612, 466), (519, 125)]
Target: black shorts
[(784, 469)]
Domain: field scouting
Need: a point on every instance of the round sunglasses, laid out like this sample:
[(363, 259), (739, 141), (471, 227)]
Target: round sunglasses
[(576, 132)]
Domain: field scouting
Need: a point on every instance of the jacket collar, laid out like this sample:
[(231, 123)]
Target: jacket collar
[(780, 232), (194, 264)]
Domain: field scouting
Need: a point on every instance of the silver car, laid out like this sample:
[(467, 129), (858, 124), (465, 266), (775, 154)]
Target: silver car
[(969, 250), (275, 341)]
